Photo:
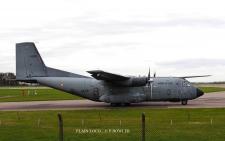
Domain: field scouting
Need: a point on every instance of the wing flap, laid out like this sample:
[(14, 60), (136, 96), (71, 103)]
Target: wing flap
[(106, 76), (184, 77)]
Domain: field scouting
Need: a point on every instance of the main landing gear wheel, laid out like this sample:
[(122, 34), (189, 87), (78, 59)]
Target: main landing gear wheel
[(184, 102), (125, 104), (115, 104), (119, 104)]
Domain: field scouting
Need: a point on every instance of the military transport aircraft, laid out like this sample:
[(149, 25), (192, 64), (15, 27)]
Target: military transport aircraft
[(102, 86)]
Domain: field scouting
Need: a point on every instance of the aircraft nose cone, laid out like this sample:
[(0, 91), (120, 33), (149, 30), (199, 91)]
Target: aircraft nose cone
[(199, 92)]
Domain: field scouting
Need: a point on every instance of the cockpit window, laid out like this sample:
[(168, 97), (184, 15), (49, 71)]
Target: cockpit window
[(186, 84)]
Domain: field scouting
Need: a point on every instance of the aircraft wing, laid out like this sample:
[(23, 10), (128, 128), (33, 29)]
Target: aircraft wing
[(184, 77), (101, 75)]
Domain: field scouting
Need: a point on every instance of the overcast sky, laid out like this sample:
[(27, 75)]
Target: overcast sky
[(173, 37)]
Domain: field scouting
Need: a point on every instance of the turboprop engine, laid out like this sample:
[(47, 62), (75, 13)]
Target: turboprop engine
[(133, 82)]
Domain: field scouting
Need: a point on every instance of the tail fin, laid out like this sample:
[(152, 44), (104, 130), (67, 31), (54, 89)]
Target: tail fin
[(29, 62), (29, 65)]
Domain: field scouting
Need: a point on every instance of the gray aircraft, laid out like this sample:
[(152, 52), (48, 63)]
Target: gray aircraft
[(102, 86)]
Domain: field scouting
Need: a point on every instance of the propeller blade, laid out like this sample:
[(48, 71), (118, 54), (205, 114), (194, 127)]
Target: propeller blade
[(149, 74), (155, 74), (149, 77)]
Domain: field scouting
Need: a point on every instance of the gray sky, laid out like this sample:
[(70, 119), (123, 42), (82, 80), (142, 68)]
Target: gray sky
[(174, 38)]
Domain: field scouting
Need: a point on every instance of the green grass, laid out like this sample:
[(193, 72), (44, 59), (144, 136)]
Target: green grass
[(42, 94), (211, 89), (187, 124)]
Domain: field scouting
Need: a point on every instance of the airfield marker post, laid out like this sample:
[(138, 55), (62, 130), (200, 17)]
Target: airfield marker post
[(82, 122), (18, 115), (99, 115), (23, 92), (143, 127), (60, 127), (39, 122)]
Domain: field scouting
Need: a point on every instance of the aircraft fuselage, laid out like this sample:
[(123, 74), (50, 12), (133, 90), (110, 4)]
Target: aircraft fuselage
[(160, 89), (102, 86)]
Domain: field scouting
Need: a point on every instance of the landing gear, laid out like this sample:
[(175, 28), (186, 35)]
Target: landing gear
[(126, 104), (184, 102), (115, 104), (119, 104)]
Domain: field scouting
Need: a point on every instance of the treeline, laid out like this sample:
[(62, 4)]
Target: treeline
[(217, 82), (8, 79)]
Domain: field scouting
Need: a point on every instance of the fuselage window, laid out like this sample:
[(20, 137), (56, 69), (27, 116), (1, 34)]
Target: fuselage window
[(165, 83), (186, 84)]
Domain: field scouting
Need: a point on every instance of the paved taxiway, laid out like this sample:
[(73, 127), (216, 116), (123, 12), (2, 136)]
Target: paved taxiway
[(212, 100)]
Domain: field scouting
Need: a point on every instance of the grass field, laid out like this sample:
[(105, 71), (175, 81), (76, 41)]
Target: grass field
[(37, 94), (211, 89), (186, 125), (16, 94)]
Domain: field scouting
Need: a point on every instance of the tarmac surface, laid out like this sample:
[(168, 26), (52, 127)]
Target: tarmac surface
[(210, 100)]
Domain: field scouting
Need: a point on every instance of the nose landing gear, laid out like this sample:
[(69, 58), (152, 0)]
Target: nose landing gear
[(184, 102)]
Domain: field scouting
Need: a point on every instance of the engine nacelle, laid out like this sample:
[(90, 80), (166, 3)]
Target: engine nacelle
[(133, 82)]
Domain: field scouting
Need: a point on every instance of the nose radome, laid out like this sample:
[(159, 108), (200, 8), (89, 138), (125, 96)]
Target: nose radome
[(199, 92)]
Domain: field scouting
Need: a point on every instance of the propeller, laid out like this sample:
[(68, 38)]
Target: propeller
[(149, 77)]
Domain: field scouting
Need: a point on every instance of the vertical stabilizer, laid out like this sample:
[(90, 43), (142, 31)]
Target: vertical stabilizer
[(28, 62)]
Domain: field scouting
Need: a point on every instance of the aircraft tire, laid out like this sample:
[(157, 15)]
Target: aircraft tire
[(184, 102), (115, 104), (125, 104)]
